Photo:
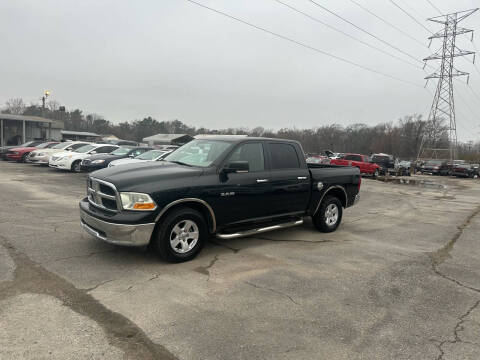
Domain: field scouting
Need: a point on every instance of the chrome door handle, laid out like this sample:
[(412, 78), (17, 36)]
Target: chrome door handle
[(302, 178), (262, 180)]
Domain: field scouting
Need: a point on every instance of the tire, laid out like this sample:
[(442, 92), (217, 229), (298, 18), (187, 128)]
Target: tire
[(24, 158), (375, 174), (184, 222), (76, 166), (326, 221)]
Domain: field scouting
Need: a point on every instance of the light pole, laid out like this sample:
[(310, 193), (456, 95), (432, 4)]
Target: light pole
[(46, 94)]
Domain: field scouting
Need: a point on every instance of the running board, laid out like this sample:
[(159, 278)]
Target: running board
[(259, 230)]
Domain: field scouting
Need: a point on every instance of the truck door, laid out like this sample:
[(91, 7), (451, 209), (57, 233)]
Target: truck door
[(243, 195), (290, 179)]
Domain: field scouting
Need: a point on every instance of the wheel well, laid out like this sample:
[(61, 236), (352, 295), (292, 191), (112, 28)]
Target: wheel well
[(340, 194), (202, 209)]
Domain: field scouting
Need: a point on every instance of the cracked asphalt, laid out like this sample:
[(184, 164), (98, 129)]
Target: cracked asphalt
[(400, 279)]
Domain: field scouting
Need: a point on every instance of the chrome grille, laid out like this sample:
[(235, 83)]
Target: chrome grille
[(103, 195)]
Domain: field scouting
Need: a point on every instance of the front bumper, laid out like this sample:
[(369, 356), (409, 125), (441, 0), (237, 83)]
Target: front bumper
[(14, 157), (117, 234), (59, 164), (38, 159)]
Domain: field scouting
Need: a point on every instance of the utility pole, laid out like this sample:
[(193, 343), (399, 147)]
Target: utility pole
[(443, 105)]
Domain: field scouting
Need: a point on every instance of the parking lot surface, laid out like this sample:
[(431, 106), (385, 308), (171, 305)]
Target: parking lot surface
[(400, 279)]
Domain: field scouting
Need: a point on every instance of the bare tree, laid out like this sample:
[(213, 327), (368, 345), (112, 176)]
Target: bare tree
[(14, 106)]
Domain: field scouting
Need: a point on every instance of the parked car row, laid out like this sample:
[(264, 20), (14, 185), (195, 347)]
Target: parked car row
[(80, 156), (459, 168)]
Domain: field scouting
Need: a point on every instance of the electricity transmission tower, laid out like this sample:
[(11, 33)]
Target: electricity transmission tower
[(443, 105)]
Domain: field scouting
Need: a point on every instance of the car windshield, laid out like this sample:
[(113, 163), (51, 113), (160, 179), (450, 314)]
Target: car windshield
[(150, 155), (42, 146), (85, 148), (121, 151), (61, 145), (200, 153)]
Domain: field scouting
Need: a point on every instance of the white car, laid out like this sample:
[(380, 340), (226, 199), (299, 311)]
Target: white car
[(152, 155), (70, 160), (42, 156)]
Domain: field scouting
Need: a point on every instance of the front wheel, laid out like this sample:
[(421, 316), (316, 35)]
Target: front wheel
[(375, 174), (76, 166), (329, 215), (180, 236), (24, 158)]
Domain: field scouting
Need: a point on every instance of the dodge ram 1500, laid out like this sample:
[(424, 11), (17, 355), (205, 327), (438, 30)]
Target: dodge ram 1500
[(215, 187)]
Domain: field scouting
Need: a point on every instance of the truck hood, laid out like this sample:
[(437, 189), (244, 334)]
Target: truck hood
[(145, 176)]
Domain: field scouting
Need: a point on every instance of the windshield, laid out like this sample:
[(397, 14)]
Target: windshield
[(121, 151), (85, 148), (200, 153), (150, 155), (42, 146), (61, 145)]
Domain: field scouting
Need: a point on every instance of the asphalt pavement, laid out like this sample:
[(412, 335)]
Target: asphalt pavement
[(400, 279)]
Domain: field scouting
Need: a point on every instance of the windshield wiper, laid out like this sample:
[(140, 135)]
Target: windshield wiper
[(179, 162)]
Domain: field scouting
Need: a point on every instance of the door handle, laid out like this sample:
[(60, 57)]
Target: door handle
[(302, 178), (262, 180)]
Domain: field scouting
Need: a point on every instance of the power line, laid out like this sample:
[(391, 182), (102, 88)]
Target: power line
[(388, 23), (283, 37), (410, 16), (347, 34), (436, 8), (364, 31)]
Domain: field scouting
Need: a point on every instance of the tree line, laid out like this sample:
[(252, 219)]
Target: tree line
[(401, 138)]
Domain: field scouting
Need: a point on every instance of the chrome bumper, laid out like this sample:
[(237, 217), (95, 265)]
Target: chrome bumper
[(117, 234)]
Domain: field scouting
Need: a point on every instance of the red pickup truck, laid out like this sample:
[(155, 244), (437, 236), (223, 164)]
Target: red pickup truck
[(360, 161)]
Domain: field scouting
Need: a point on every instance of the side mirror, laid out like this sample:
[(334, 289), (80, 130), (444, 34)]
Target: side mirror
[(237, 167), (131, 155), (92, 152)]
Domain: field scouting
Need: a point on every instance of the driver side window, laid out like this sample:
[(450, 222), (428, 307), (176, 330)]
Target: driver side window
[(251, 152)]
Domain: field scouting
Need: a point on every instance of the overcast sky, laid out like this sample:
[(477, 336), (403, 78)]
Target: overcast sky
[(171, 59)]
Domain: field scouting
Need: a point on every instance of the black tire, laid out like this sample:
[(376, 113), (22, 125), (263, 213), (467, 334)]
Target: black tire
[(24, 158), (76, 166), (161, 241), (320, 217), (375, 174)]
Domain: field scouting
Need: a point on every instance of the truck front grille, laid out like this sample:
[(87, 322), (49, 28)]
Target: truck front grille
[(103, 195)]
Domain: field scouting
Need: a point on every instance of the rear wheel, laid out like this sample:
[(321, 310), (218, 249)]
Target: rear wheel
[(24, 158), (375, 174), (181, 235), (76, 166), (329, 215)]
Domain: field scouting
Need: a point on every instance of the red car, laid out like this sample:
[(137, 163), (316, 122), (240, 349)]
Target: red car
[(20, 154), (360, 161)]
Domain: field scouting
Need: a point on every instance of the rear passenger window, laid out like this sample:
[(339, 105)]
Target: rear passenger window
[(284, 156)]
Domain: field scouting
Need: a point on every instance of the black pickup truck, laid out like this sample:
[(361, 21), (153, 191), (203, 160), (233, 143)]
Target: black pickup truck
[(224, 187)]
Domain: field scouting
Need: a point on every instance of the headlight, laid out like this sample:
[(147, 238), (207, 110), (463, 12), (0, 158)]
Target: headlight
[(98, 161), (137, 201), (69, 156), (40, 154)]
